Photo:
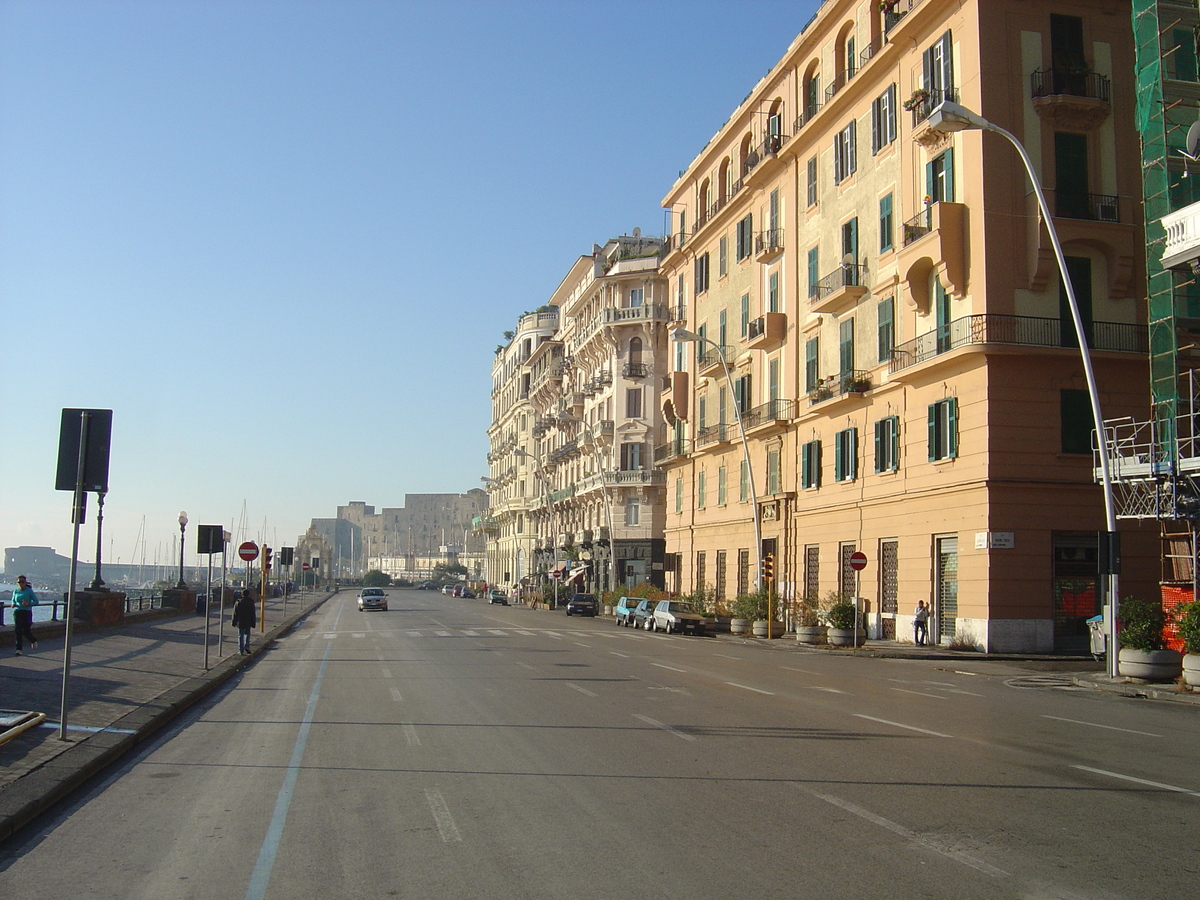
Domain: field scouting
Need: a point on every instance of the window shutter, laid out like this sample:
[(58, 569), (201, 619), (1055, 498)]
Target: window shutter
[(839, 450), (933, 431), (949, 174), (853, 161), (879, 446), (952, 427), (852, 458)]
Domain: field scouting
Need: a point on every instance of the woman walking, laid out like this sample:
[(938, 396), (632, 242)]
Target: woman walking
[(23, 601)]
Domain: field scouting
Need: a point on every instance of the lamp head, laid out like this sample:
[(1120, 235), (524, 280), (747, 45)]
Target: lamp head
[(683, 336), (183, 520), (948, 117)]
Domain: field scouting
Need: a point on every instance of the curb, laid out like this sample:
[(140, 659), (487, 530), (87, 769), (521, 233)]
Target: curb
[(1138, 690), (30, 796)]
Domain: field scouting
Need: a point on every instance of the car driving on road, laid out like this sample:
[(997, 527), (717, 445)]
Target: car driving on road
[(496, 595), (583, 605), (372, 598)]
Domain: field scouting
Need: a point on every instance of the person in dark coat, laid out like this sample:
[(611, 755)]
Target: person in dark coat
[(245, 617)]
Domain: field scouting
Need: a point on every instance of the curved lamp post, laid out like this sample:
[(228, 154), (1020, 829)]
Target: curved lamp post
[(947, 118), (183, 520), (517, 451), (682, 335), (612, 535)]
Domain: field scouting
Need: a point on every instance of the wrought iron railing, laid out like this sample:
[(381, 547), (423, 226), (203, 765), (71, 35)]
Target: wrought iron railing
[(714, 434), (772, 411), (1096, 207), (810, 110), (673, 449), (842, 276), (637, 370), (1052, 83), (917, 227), (768, 241), (925, 101)]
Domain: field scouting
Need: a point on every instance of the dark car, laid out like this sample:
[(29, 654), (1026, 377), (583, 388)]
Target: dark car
[(496, 595), (466, 593), (583, 605), (623, 611), (643, 613), (427, 586)]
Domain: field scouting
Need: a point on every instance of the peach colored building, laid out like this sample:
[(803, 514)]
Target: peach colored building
[(891, 313)]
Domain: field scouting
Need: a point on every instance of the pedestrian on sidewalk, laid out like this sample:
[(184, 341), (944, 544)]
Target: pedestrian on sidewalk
[(921, 623), (23, 601), (245, 617)]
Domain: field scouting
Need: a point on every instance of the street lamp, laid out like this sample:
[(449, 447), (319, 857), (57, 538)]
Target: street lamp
[(612, 535), (682, 335), (947, 118), (182, 528), (550, 506)]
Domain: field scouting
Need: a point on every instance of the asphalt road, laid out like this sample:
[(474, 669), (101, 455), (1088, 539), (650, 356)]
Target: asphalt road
[(447, 749)]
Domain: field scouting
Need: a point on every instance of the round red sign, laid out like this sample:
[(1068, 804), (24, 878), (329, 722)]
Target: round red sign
[(858, 560), (305, 567), (248, 551)]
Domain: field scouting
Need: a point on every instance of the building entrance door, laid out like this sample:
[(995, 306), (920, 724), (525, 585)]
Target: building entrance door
[(945, 606), (1075, 589)]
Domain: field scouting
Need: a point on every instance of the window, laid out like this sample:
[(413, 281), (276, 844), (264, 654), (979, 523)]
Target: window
[(723, 256), (680, 296), (700, 490), (814, 272), (631, 457), (846, 348), (943, 429), (682, 227), (637, 296), (719, 587), (845, 156), (702, 413), (887, 444), (632, 511), (745, 317), (811, 196), (741, 393), (743, 572), (885, 223), (810, 465), (1075, 414), (680, 356), (887, 328), (633, 403), (721, 486), (723, 328), (679, 494), (701, 273), (773, 292), (773, 479), (700, 573), (773, 382), (812, 372), (939, 177), (937, 70), (1071, 175), (744, 482), (850, 251), (883, 119), (1079, 269), (745, 237), (845, 455)]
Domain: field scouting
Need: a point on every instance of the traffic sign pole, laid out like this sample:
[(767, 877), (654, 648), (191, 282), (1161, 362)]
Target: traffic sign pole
[(858, 562)]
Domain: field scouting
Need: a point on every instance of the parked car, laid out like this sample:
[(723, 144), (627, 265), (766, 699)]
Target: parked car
[(372, 598), (448, 589), (495, 595), (583, 605), (427, 586), (623, 611), (643, 613), (466, 593), (676, 616)]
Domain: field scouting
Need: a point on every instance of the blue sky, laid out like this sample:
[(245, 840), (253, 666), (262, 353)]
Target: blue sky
[(282, 239)]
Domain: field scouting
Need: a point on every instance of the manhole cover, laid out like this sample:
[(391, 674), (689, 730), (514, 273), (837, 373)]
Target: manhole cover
[(1044, 683)]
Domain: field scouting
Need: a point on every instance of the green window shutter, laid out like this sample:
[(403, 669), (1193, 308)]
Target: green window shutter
[(949, 176), (885, 224), (852, 458), (839, 449), (879, 446), (933, 421), (1075, 415), (952, 427)]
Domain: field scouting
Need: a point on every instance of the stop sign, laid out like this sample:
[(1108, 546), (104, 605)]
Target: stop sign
[(858, 560), (248, 551)]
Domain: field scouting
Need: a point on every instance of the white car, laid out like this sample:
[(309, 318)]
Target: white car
[(372, 598), (675, 616)]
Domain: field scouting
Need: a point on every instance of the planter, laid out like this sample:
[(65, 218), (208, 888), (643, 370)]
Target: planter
[(608, 610), (760, 629), (845, 637), (1191, 669), (719, 624), (1150, 665), (811, 634), (739, 626)]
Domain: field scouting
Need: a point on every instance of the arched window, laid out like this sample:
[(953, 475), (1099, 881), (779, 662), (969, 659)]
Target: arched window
[(635, 350)]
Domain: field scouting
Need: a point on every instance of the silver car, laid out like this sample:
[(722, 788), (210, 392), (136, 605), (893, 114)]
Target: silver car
[(674, 616), (372, 598)]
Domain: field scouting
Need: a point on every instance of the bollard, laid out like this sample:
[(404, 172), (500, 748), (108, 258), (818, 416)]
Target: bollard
[(1, 615)]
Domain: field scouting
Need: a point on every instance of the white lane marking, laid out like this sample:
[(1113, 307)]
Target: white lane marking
[(89, 729), (672, 668), (442, 633), (498, 631), (1108, 727), (330, 637), (958, 691), (957, 855), (746, 687), (553, 634), (581, 644), (1154, 784), (386, 673), (526, 633), (396, 694), (441, 815), (622, 655), (726, 656), (581, 690), (526, 665), (410, 734), (414, 634), (471, 633), (920, 693), (899, 725), (801, 671), (828, 690), (358, 635), (666, 728)]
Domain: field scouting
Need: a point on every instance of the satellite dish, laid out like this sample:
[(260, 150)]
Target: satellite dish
[(637, 232), (848, 259), (1192, 144)]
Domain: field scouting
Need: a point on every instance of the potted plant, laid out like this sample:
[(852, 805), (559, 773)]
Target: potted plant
[(809, 628), (1187, 621), (841, 615), (747, 609), (919, 96), (1142, 654)]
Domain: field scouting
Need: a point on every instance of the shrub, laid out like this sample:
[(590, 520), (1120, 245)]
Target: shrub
[(808, 612), (839, 611), (751, 606), (1187, 617), (1142, 624)]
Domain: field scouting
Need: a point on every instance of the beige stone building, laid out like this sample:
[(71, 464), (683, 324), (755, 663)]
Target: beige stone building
[(892, 315)]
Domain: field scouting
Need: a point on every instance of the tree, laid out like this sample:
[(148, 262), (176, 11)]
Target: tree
[(375, 578), (449, 571)]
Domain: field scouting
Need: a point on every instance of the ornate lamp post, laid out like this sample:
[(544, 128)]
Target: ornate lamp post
[(98, 582), (182, 528)]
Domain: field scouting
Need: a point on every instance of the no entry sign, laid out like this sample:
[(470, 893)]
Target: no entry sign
[(858, 560), (248, 551)]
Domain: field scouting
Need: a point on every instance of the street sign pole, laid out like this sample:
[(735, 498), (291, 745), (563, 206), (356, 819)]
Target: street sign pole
[(858, 562)]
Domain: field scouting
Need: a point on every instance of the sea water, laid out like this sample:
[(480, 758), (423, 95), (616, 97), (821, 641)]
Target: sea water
[(43, 612)]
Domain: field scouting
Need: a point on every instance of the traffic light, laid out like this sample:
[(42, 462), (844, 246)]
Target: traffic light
[(768, 567), (268, 553), (286, 555)]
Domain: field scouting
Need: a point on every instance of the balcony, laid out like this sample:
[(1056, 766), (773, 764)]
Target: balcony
[(709, 360), (924, 101), (605, 428), (767, 331), (933, 239), (650, 312), (839, 81), (894, 11), (838, 291), (1093, 207), (1079, 100), (715, 434), (768, 245), (810, 110), (637, 370), (845, 384), (1183, 237), (758, 165), (771, 413), (675, 449), (1026, 331)]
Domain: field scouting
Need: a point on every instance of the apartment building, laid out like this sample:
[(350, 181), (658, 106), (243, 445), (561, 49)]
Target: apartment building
[(513, 485), (889, 309), (594, 389)]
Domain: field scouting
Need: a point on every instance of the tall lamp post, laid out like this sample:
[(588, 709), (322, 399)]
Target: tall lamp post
[(182, 528), (612, 535), (949, 117), (550, 506), (682, 335)]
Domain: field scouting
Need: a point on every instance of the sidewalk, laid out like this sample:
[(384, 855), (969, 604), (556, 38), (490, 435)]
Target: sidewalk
[(126, 683)]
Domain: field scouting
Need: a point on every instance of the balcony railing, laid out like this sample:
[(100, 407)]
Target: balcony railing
[(648, 312), (1029, 331), (677, 313), (869, 51), (637, 370), (917, 227), (771, 411), (714, 434), (839, 81), (605, 427), (850, 382), (843, 276), (1052, 83), (923, 102), (711, 356), (1096, 207), (769, 241), (810, 110), (673, 449)]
